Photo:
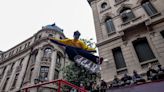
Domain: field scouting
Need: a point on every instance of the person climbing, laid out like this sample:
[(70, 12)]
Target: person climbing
[(74, 47)]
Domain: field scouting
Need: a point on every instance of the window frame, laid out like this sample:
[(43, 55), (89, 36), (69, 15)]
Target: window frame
[(45, 71), (110, 27), (117, 52), (141, 40), (48, 53), (149, 8)]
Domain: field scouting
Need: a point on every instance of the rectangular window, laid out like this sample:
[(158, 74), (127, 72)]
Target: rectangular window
[(110, 25), (149, 8), (44, 73), (118, 57), (143, 50), (56, 75), (4, 86), (15, 81), (162, 33)]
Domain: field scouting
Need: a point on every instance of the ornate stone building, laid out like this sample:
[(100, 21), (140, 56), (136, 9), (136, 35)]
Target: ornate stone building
[(34, 59), (130, 35)]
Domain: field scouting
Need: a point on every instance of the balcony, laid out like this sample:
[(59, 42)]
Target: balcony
[(45, 63), (46, 58), (132, 23)]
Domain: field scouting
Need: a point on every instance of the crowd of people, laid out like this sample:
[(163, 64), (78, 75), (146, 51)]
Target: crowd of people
[(152, 75)]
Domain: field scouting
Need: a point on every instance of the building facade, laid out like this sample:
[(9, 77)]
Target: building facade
[(130, 35), (34, 59)]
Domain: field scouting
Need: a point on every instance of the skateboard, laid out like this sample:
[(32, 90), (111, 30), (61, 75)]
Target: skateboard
[(87, 64)]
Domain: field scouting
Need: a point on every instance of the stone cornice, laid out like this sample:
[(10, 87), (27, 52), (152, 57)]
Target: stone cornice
[(27, 49), (107, 41)]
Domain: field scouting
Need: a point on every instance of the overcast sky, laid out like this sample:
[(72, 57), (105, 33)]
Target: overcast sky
[(20, 19)]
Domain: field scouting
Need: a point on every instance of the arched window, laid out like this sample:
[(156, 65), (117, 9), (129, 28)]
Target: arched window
[(47, 52), (126, 14), (58, 60), (148, 7), (109, 25)]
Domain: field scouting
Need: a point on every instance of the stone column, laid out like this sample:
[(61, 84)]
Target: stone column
[(52, 67), (3, 80), (23, 69), (37, 65)]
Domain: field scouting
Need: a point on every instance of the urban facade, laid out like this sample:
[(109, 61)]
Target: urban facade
[(130, 35), (34, 60)]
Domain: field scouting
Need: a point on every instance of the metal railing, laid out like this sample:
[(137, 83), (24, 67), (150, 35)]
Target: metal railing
[(60, 83)]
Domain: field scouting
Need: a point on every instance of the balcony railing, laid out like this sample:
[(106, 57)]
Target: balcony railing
[(46, 58)]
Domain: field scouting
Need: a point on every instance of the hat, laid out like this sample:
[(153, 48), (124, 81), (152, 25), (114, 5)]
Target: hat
[(77, 33)]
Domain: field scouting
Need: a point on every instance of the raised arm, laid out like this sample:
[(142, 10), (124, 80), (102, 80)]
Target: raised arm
[(62, 42)]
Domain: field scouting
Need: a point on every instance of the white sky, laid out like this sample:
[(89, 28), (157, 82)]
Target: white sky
[(20, 19)]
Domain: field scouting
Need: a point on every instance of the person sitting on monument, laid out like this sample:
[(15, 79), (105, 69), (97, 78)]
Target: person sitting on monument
[(151, 73), (127, 80), (75, 47), (103, 86), (116, 82), (137, 78), (160, 71)]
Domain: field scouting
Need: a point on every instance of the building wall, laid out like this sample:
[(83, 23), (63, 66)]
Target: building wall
[(141, 26), (28, 57)]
